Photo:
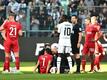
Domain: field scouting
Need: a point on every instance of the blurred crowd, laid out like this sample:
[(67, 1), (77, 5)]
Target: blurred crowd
[(45, 14)]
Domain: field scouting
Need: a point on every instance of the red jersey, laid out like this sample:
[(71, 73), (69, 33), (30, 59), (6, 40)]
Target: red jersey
[(98, 27), (12, 29), (90, 32), (43, 60)]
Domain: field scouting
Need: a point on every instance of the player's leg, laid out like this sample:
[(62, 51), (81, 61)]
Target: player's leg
[(96, 62), (7, 57), (17, 62), (78, 62), (7, 62), (69, 62), (98, 57), (67, 51), (16, 53), (101, 50), (12, 56), (84, 53), (58, 64), (91, 55), (83, 62), (92, 62), (75, 51), (60, 51)]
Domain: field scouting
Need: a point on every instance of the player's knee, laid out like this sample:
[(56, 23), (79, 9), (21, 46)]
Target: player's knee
[(69, 59), (16, 54), (7, 55), (58, 59)]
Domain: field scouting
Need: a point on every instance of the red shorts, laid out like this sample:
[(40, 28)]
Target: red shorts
[(100, 48), (42, 70), (89, 48), (11, 46)]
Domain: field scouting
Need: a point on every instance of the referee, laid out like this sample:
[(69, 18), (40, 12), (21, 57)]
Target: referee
[(76, 37)]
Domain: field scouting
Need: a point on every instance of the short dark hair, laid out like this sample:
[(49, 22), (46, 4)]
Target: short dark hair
[(65, 17), (88, 18), (75, 16), (12, 14)]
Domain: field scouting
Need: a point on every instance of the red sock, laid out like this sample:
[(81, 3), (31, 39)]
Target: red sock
[(101, 57), (98, 66), (17, 63), (97, 62), (83, 64), (7, 64), (92, 66)]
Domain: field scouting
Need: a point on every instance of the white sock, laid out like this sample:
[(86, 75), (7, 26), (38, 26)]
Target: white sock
[(58, 63), (13, 57), (69, 62)]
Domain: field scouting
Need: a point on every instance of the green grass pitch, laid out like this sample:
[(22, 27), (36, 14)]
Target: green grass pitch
[(27, 67)]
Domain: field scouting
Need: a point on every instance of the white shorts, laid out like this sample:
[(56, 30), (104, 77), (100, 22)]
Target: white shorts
[(64, 49)]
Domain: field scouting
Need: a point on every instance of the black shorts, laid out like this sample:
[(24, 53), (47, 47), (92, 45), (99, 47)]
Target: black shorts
[(63, 55), (75, 50)]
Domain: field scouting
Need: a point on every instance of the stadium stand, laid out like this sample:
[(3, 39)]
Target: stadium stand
[(39, 17)]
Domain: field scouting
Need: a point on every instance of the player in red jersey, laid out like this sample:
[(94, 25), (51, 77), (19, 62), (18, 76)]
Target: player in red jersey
[(4, 37), (85, 50), (89, 46), (98, 56), (13, 30), (99, 50), (44, 62)]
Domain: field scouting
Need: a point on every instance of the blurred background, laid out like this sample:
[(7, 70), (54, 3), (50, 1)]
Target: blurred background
[(39, 17)]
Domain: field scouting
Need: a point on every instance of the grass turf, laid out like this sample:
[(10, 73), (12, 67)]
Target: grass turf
[(29, 75)]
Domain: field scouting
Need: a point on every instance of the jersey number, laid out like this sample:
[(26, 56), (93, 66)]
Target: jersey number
[(12, 31), (67, 31), (43, 61)]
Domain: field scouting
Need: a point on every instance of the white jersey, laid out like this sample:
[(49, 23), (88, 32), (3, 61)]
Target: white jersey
[(65, 30)]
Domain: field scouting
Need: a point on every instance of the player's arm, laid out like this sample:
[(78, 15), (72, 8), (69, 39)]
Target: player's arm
[(48, 66), (2, 26), (79, 37), (98, 35), (36, 66), (20, 33), (3, 34)]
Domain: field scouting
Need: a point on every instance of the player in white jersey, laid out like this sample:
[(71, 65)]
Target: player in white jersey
[(64, 44)]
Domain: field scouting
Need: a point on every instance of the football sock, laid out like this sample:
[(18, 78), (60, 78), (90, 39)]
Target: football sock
[(7, 64), (96, 62), (58, 63), (69, 62), (101, 57), (78, 63), (13, 57), (17, 63), (92, 66), (83, 64)]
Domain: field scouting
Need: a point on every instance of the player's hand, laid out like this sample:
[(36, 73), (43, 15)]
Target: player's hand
[(6, 20), (46, 72), (78, 45), (34, 71), (93, 40)]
